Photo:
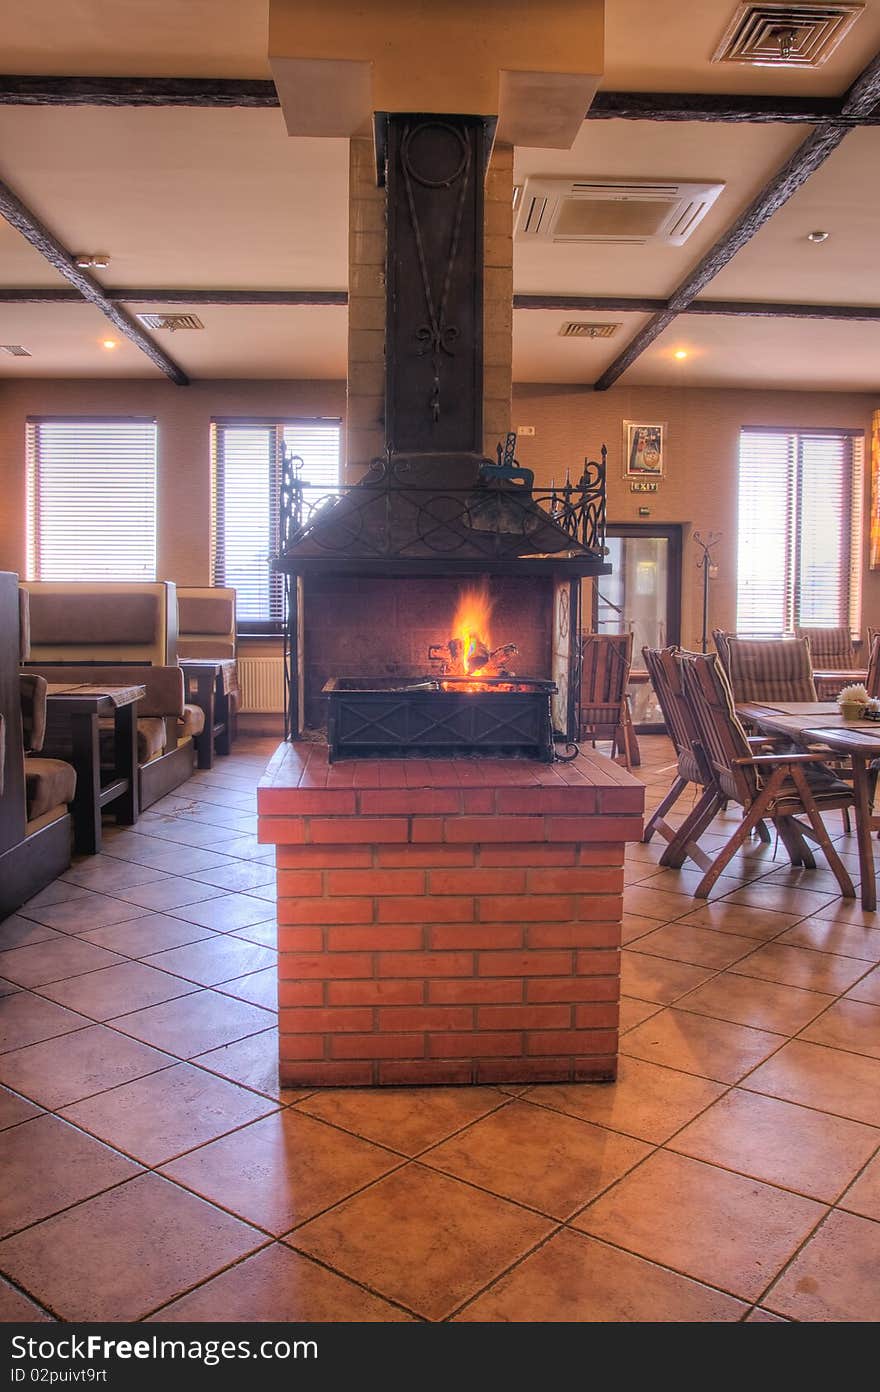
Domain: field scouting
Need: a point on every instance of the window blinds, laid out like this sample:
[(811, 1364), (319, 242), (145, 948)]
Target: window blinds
[(91, 499), (798, 530), (247, 459)]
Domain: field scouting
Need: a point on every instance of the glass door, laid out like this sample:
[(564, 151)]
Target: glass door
[(642, 596)]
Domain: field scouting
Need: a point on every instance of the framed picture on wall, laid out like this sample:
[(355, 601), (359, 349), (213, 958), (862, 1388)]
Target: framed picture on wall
[(644, 449)]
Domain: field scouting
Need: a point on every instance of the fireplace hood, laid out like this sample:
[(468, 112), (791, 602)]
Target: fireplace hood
[(434, 503)]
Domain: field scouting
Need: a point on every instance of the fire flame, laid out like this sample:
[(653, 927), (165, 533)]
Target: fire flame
[(471, 624)]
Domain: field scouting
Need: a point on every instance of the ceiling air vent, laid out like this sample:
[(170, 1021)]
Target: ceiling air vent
[(607, 210), (170, 321), (785, 36), (578, 328), (15, 350)]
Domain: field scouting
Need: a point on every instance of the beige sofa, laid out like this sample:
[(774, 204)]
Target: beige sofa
[(118, 633), (206, 629)]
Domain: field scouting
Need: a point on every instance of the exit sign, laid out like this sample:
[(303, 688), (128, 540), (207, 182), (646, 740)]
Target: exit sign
[(644, 486)]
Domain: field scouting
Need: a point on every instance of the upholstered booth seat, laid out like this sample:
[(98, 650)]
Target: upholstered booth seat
[(193, 722), (151, 739), (50, 783)]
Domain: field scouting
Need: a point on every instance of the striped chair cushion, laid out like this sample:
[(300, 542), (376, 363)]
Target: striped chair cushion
[(764, 669), (831, 648)]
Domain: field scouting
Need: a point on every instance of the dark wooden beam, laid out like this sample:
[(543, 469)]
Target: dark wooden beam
[(719, 107), (27, 90), (774, 309), (20, 217), (230, 297), (863, 96), (579, 304)]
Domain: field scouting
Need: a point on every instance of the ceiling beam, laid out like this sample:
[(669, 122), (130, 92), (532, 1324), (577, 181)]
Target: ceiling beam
[(20, 217), (17, 89), (569, 304)]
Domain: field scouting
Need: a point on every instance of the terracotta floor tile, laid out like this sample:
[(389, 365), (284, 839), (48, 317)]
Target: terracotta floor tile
[(406, 1119), (260, 988), (698, 1044), (54, 960), (83, 914), (253, 1062), (17, 931), (835, 1276), (266, 892), (8, 988), (160, 1116), (656, 903), (73, 1066), (183, 832), (702, 947), (635, 926), (171, 892), (248, 848), (281, 1171), (575, 1279), (26, 1019), (848, 1024), (16, 1308), (780, 897), (761, 1004), (864, 1195), (741, 919), (387, 1238), (141, 937), (657, 979), (47, 1166), (687, 879), (845, 939), (798, 966), (14, 1109), (544, 1159), (103, 874), (117, 990), (844, 1084), (232, 911), (733, 1232), (215, 959), (849, 911), (278, 1285), (647, 1102), (868, 989), (162, 855), (263, 934), (196, 1023), (140, 1244), (794, 1147), (56, 893), (241, 875), (633, 1012), (759, 1316)]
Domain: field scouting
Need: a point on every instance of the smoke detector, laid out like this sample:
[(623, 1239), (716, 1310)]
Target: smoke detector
[(15, 350), (174, 322), (612, 211), (579, 328), (785, 36)]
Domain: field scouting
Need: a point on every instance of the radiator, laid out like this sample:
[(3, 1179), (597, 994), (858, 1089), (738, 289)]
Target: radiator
[(261, 681)]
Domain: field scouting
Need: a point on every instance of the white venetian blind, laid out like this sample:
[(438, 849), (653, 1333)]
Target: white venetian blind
[(798, 530), (91, 499), (246, 459)]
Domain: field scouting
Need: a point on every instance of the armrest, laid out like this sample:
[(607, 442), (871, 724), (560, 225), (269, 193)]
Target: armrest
[(774, 760)]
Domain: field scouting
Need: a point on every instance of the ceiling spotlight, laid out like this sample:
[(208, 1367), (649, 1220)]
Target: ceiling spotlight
[(817, 236), (109, 343), (680, 353), (88, 259)]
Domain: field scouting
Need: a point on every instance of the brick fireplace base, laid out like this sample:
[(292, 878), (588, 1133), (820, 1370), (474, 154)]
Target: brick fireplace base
[(447, 921)]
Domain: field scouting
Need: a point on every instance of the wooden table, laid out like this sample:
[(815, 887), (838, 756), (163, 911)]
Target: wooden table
[(79, 708), (829, 683), (820, 723), (212, 681)]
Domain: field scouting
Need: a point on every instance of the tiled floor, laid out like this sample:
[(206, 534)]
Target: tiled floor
[(153, 1169)]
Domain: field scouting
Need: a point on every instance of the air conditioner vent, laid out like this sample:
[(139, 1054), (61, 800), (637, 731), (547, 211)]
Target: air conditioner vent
[(15, 350), (579, 328), (174, 322), (612, 211), (784, 35)]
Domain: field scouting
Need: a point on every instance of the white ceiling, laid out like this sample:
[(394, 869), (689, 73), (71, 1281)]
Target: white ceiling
[(223, 199)]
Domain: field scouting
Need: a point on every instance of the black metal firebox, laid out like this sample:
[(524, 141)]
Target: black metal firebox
[(428, 717)]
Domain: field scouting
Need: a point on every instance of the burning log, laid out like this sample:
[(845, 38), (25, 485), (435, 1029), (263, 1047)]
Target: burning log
[(467, 656)]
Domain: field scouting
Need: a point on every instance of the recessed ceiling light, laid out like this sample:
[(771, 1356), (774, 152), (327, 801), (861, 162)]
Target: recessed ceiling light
[(818, 236), (680, 353), (87, 259), (109, 343)]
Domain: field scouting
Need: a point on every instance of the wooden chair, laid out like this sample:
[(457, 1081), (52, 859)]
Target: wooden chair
[(693, 770), (770, 669), (831, 648), (773, 785), (872, 680), (604, 710)]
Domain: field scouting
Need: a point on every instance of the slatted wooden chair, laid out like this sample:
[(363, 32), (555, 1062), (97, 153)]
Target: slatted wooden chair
[(770, 669), (831, 648), (720, 637), (872, 680), (606, 659), (775, 785), (693, 770)]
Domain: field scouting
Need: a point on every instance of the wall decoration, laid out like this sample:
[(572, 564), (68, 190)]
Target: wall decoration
[(644, 450), (875, 491)]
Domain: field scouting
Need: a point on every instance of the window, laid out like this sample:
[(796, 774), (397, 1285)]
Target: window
[(799, 530), (91, 499), (247, 458)]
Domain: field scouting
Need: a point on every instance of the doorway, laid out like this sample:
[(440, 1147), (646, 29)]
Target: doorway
[(642, 596)]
